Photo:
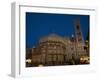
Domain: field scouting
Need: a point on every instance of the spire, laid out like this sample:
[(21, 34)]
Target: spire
[(78, 32)]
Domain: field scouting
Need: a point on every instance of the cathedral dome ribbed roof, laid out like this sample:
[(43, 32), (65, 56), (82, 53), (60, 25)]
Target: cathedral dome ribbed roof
[(52, 37)]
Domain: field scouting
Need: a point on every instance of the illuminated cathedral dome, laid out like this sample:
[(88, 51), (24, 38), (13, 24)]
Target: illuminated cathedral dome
[(52, 37)]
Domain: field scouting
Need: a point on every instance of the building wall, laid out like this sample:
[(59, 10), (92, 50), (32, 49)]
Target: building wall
[(52, 51)]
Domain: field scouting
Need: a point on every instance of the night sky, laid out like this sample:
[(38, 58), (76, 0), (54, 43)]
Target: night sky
[(43, 24)]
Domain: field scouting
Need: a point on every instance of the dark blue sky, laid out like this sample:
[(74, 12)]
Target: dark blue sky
[(43, 24)]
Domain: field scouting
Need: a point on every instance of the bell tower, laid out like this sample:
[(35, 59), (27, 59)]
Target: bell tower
[(79, 40), (78, 32)]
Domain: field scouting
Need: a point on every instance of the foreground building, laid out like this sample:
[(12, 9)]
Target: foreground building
[(56, 50)]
